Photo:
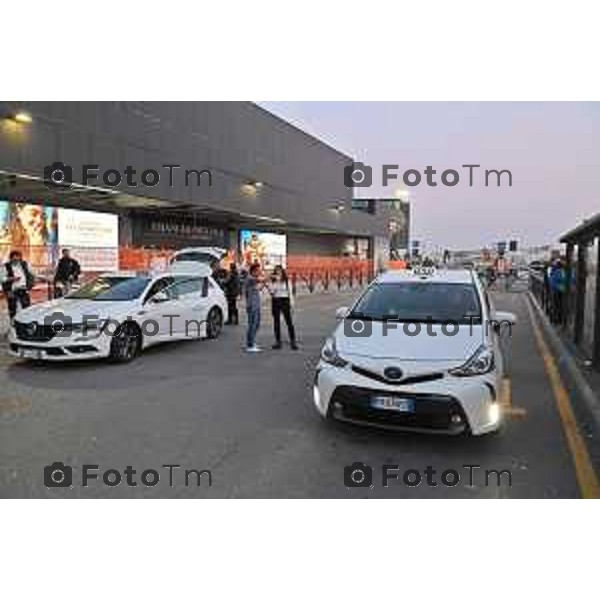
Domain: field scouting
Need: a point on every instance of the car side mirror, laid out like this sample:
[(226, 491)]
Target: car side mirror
[(159, 297), (341, 313)]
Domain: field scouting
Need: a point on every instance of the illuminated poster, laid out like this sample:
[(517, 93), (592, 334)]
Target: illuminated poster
[(29, 228), (267, 249), (92, 237)]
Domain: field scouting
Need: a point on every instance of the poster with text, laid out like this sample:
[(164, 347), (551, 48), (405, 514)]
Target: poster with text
[(92, 238)]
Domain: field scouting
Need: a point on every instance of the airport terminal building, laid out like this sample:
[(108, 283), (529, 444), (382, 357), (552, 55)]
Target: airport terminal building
[(175, 174)]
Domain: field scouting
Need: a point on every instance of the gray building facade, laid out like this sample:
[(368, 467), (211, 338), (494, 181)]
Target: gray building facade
[(265, 173)]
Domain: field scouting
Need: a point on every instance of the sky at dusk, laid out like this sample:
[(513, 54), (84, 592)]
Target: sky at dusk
[(551, 148)]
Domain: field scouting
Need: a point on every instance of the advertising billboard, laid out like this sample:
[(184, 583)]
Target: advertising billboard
[(30, 228), (92, 237), (267, 249)]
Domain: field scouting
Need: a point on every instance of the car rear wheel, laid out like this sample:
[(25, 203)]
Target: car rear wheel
[(214, 323), (125, 344)]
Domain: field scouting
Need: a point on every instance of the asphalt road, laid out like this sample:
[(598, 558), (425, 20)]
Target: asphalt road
[(249, 419)]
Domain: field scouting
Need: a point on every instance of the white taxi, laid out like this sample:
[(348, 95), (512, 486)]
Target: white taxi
[(419, 351)]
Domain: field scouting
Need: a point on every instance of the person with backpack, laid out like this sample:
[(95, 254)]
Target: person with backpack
[(17, 283), (232, 291)]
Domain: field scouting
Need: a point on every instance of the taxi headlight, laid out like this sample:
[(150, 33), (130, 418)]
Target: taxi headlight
[(330, 354), (480, 363)]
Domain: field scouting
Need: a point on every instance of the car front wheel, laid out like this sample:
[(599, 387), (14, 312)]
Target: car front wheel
[(125, 344), (214, 323)]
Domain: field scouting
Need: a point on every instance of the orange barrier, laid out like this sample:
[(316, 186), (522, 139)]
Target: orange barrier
[(325, 272), (322, 264), (143, 259), (395, 265), (312, 271)]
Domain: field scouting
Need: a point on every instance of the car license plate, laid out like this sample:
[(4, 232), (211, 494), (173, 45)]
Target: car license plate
[(405, 405), (30, 353)]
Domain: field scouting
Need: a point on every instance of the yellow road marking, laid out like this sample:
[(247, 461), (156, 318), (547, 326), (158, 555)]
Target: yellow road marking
[(584, 469), (506, 401)]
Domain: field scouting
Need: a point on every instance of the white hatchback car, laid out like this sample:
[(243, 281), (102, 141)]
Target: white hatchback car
[(118, 314), (418, 351)]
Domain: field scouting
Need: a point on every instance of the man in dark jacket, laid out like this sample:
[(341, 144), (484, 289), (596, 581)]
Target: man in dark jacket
[(67, 273), (232, 292), (18, 280)]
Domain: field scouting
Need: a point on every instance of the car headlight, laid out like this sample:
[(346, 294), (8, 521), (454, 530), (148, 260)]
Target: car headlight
[(480, 363), (330, 354)]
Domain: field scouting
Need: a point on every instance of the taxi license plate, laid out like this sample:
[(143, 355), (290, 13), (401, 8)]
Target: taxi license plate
[(31, 353), (404, 405)]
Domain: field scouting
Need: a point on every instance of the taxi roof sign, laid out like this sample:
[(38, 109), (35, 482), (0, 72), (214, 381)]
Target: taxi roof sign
[(423, 271)]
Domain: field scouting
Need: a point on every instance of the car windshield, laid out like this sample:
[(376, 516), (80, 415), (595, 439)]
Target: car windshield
[(420, 301), (111, 289)]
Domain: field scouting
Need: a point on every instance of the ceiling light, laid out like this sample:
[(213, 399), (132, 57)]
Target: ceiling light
[(22, 117)]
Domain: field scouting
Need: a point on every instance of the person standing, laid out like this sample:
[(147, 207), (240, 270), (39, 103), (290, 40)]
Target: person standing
[(252, 286), (232, 292), (67, 273), (17, 283), (281, 304), (557, 292)]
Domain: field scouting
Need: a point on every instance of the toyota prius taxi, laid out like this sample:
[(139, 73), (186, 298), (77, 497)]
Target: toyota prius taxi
[(419, 351), (117, 315)]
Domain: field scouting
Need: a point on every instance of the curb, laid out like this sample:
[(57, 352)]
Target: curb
[(567, 364)]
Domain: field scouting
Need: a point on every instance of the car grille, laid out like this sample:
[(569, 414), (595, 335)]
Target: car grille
[(403, 381), (34, 332), (433, 412)]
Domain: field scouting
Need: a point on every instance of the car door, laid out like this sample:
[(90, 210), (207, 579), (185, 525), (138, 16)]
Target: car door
[(160, 307), (192, 303)]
